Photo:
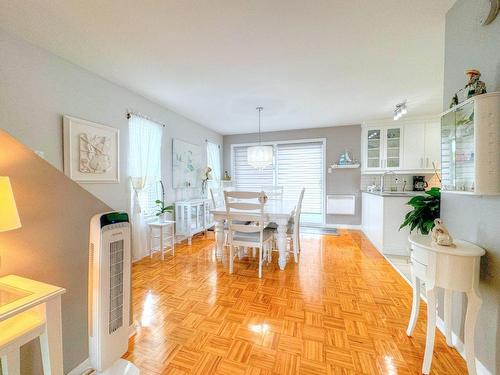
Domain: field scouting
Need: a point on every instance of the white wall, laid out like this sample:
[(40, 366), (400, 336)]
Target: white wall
[(37, 88)]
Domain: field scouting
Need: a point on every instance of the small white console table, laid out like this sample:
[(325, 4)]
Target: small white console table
[(453, 269), (30, 309), (192, 217)]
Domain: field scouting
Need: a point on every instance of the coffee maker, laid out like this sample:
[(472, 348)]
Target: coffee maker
[(419, 183)]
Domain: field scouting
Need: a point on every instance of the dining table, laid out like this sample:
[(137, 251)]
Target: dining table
[(275, 211)]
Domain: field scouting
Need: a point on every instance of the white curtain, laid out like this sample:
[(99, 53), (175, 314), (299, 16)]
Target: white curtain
[(144, 169), (213, 161)]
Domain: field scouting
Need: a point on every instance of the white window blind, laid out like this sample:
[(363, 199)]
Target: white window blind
[(296, 165), (246, 176), (300, 165)]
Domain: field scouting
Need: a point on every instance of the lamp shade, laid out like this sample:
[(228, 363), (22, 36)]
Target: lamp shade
[(260, 156), (9, 218)]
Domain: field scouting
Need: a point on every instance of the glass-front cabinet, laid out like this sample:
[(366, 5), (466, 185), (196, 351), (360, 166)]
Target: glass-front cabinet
[(470, 143), (374, 145), (382, 147), (392, 148)]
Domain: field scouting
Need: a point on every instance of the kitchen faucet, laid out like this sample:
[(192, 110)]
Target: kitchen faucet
[(382, 180)]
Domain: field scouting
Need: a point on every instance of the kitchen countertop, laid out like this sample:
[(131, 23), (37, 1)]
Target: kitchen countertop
[(396, 193)]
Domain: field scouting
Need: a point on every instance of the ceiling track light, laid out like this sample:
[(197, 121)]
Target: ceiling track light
[(400, 110)]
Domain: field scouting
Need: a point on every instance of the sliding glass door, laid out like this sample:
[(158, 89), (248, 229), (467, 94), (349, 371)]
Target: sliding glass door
[(296, 164)]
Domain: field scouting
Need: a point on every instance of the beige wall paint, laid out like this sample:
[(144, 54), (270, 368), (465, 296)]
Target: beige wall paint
[(52, 245), (338, 138), (37, 88), (475, 219)]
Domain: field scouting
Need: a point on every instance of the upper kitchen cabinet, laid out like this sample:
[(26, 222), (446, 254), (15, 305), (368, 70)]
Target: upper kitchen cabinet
[(382, 148), (405, 146), (470, 143)]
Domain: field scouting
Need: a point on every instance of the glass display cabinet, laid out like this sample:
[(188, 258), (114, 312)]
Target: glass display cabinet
[(470, 144), (192, 216)]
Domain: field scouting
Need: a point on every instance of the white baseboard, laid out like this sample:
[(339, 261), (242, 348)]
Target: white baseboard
[(337, 226), (457, 343), (82, 368)]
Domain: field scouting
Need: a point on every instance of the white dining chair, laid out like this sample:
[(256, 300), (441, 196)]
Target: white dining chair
[(273, 192), (245, 206), (293, 229)]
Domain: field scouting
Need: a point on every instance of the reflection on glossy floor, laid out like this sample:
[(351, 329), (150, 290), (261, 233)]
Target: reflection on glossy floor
[(341, 310)]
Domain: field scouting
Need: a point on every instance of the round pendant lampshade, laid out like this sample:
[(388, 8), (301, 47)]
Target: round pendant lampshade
[(260, 156)]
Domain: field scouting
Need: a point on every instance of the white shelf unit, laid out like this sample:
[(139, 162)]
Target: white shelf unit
[(470, 143), (344, 166), (192, 217)]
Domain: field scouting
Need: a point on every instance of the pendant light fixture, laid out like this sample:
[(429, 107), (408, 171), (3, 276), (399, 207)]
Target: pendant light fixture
[(400, 110), (260, 156)]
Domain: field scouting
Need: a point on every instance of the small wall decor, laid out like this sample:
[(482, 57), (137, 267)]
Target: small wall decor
[(186, 164), (473, 87), (91, 151)]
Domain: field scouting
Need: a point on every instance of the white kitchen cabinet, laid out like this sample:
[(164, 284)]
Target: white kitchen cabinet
[(414, 146), (432, 145), (382, 214), (410, 146), (382, 148), (470, 143)]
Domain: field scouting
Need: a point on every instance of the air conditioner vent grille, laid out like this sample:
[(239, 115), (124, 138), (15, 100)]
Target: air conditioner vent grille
[(115, 285)]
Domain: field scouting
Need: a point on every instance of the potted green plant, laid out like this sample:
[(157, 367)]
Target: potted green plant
[(426, 208), (162, 210)]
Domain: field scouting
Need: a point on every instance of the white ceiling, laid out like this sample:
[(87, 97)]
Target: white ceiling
[(310, 63)]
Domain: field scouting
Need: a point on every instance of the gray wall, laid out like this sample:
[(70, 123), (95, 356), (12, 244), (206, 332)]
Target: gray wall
[(338, 139), (475, 219), (37, 88), (52, 244)]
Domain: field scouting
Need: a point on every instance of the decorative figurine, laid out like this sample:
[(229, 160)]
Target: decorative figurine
[(226, 177), (440, 234), (473, 87)]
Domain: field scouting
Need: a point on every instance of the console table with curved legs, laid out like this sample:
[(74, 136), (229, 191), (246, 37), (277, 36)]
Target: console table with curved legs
[(453, 269)]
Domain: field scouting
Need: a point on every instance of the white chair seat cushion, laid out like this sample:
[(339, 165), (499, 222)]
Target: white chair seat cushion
[(252, 237)]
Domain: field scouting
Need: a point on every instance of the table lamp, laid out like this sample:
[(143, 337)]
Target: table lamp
[(9, 218)]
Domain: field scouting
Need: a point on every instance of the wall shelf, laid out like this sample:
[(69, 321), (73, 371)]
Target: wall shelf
[(344, 166)]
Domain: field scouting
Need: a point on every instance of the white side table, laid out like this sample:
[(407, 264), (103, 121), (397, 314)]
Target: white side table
[(453, 269), (30, 309), (166, 234)]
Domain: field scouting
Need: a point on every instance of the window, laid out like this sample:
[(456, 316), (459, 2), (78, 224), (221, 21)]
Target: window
[(296, 164), (213, 161), (145, 161), (246, 176)]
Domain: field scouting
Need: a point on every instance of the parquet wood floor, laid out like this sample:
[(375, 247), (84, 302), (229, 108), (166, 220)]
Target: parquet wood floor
[(341, 310)]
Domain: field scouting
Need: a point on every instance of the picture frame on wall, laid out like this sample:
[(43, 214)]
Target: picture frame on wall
[(186, 165), (91, 151)]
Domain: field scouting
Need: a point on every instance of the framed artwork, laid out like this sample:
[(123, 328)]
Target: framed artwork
[(91, 151), (186, 166)]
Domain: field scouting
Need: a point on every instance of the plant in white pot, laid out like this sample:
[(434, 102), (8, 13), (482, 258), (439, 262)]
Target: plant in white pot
[(163, 212)]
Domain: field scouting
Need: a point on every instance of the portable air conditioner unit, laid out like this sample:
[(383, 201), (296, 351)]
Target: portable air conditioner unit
[(109, 293)]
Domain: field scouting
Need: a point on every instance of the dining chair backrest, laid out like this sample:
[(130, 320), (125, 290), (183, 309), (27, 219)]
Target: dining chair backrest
[(245, 211), (273, 192), (298, 210), (214, 197)]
